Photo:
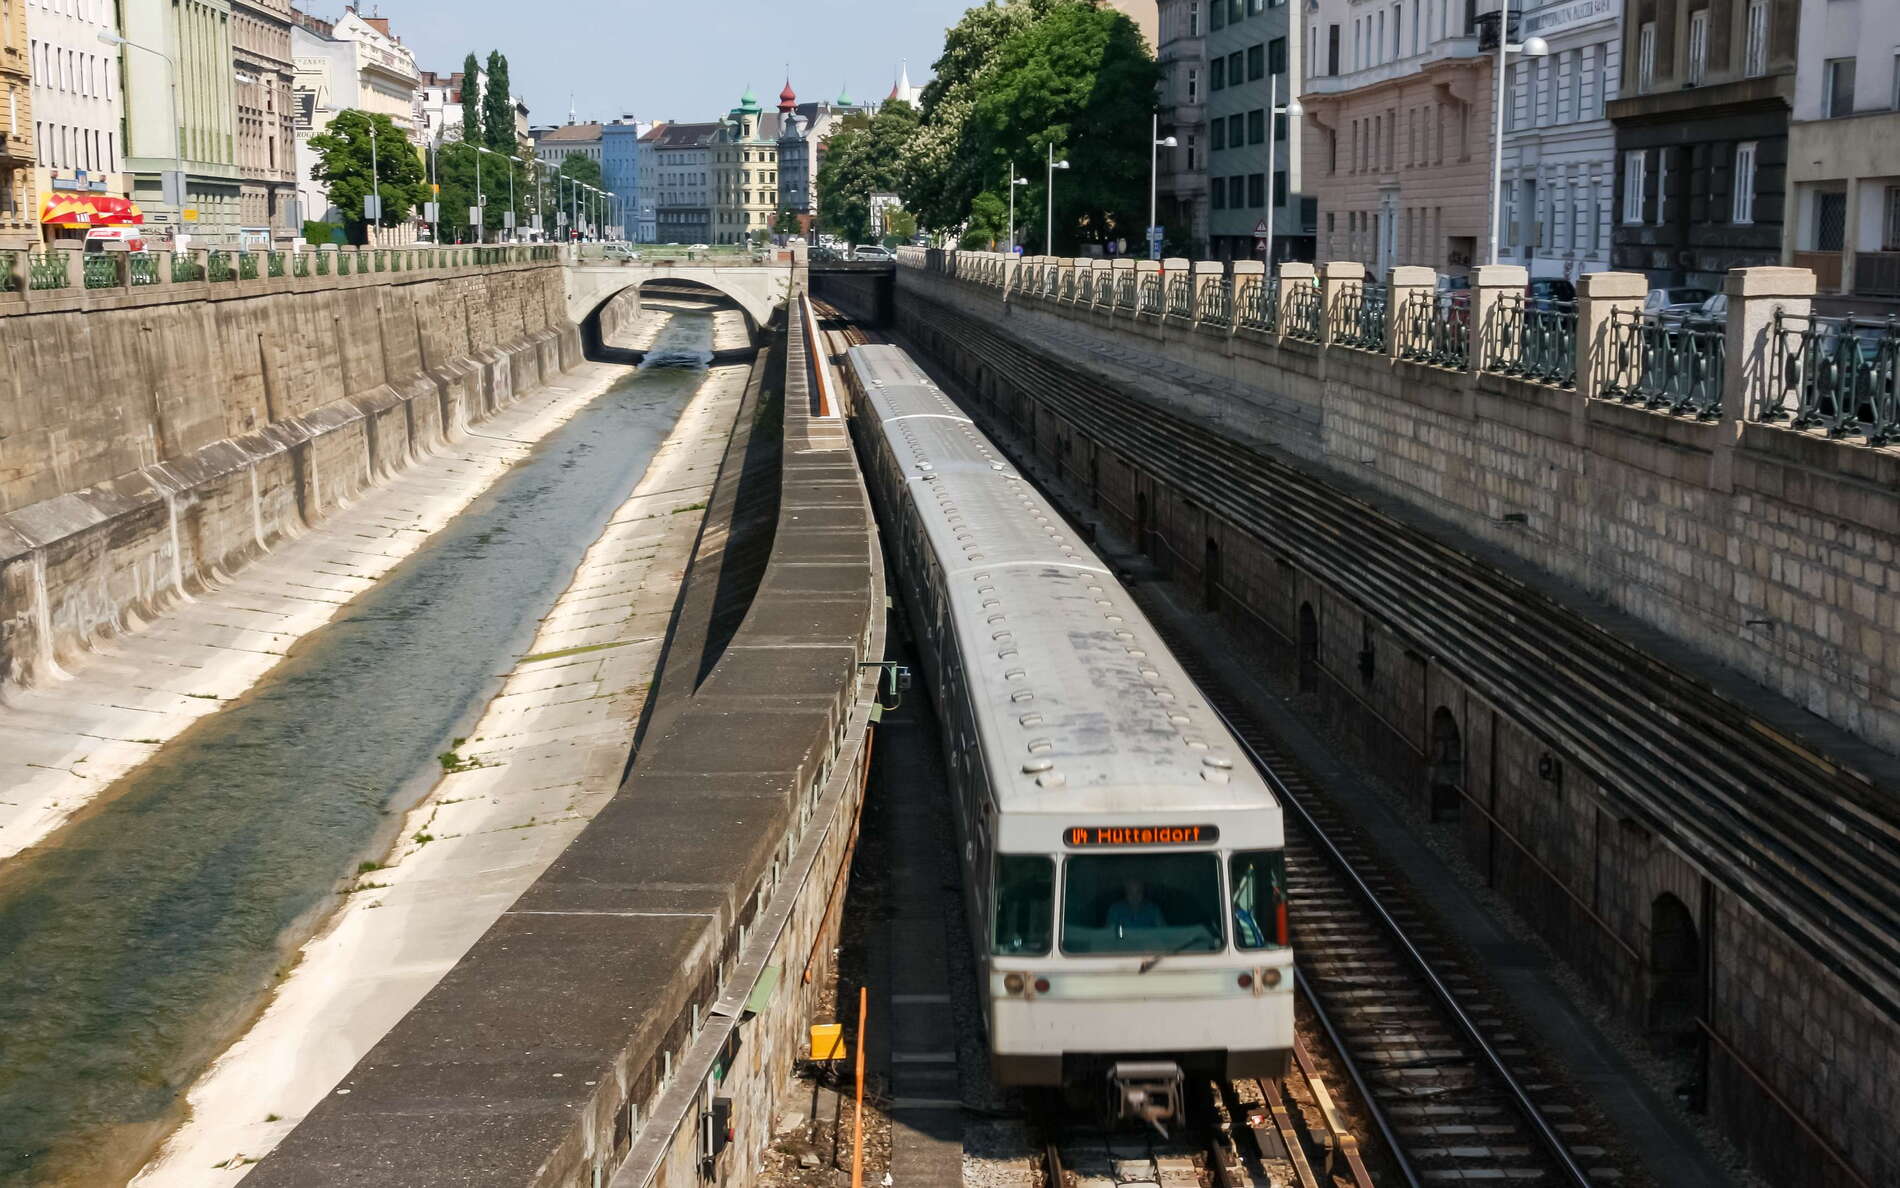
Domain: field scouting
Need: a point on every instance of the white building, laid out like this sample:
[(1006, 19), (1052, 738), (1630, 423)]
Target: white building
[(78, 112), (439, 106), (1559, 147), (355, 64), (1844, 150)]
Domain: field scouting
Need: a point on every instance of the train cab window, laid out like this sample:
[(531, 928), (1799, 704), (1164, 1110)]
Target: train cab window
[(1141, 903), (1258, 879), (1025, 903)]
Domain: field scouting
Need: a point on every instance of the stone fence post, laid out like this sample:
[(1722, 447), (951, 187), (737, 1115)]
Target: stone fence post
[(1293, 275), (201, 263), (1754, 295), (1335, 277), (1600, 297), (1406, 283), (1489, 282), (21, 273), (162, 261)]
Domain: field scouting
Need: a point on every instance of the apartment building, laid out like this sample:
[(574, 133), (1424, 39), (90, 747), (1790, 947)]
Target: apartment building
[(19, 214), (683, 167), (623, 144), (1559, 146), (266, 138), (78, 113), (1251, 62), (1702, 136), (745, 189), (354, 63), (182, 125), (1181, 102), (1398, 99), (1844, 152)]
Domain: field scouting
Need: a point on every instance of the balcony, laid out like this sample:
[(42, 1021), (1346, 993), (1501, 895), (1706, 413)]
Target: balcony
[(1826, 267), (1876, 274)]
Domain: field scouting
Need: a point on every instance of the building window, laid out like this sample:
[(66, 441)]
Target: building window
[(1742, 208), (1217, 189), (1257, 126), (1633, 187), (1830, 220), (1194, 19), (1233, 68), (1256, 63), (1236, 129), (1256, 190), (1662, 185), (1698, 45), (1193, 85), (1217, 130), (1218, 16), (1837, 88), (1236, 191), (1890, 221), (1217, 74), (1646, 56), (1755, 53)]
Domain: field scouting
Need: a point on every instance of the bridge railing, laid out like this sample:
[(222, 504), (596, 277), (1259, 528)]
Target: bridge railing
[(1767, 358), (41, 277)]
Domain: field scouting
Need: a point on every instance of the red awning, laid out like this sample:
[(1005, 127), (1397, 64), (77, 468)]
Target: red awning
[(90, 210)]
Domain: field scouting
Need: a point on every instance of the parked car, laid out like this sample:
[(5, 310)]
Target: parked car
[(1547, 292), (1675, 299), (872, 251), (622, 252), (1715, 309), (697, 247), (1458, 288)]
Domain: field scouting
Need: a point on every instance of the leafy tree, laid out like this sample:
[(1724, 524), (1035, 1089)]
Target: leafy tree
[(558, 198), (988, 222), (900, 226), (582, 169), (864, 157), (316, 231), (343, 165), (785, 222), (471, 100), (498, 109)]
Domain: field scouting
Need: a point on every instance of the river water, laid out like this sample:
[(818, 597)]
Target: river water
[(142, 938)]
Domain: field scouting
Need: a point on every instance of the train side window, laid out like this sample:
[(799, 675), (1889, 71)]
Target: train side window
[(1258, 879), (1025, 903)]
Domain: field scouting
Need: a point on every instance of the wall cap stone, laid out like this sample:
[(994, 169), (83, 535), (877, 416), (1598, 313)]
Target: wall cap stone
[(1413, 276), (1769, 282), (1500, 276), (1340, 270), (1607, 285)]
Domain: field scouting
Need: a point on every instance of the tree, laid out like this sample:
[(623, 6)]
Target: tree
[(344, 165), (498, 109), (471, 99), (988, 222), (558, 197), (864, 157), (785, 222), (900, 226)]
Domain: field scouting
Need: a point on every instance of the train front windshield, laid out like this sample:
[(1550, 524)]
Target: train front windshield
[(1142, 903)]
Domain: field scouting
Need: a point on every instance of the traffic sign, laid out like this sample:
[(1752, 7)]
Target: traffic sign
[(1262, 231)]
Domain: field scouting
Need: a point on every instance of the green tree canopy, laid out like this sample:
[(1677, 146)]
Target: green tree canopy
[(785, 222), (498, 108), (344, 161), (1018, 79), (988, 222), (900, 226), (471, 99), (864, 157)]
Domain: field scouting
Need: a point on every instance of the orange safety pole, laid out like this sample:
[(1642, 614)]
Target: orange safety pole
[(857, 1117)]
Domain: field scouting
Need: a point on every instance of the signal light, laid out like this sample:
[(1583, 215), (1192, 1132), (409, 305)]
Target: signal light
[(1042, 985), (1013, 983), (1245, 980)]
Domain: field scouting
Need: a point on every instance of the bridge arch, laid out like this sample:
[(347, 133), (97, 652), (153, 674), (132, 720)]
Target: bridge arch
[(757, 289)]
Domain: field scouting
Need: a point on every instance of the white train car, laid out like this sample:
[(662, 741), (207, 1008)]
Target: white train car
[(1123, 861)]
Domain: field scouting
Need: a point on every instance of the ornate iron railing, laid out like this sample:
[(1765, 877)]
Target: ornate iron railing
[(1153, 298), (1534, 339), (1305, 312), (247, 265), (323, 263), (1051, 281), (300, 264), (1125, 295), (1181, 295), (9, 260), (141, 269), (1086, 295), (1070, 279), (1362, 316), (343, 262), (185, 269), (1436, 329), (47, 270), (1257, 305), (1671, 364), (102, 271), (218, 266), (1835, 374), (1217, 303)]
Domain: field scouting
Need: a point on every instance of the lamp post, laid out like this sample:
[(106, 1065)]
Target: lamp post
[(1535, 47), (178, 116), (481, 208), (374, 213), (1292, 111), (1014, 181), (1157, 143), (514, 215), (1049, 194)]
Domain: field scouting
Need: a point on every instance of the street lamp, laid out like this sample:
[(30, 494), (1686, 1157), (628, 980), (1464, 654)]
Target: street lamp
[(1010, 247), (514, 216), (1159, 142), (1049, 193), (178, 119), (1535, 47), (481, 207), (1292, 111)]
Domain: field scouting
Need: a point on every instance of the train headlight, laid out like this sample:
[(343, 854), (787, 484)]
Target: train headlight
[(1270, 976), (1013, 983)]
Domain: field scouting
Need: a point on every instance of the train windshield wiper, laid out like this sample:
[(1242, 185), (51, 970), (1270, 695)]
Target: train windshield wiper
[(1183, 947)]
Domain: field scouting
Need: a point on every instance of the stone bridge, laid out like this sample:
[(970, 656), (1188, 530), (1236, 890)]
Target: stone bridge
[(758, 288)]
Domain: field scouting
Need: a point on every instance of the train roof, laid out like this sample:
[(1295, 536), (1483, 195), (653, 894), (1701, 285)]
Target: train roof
[(1082, 706)]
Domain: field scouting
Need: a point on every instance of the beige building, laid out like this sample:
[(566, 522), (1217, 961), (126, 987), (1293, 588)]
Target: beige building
[(183, 122), (78, 115), (1145, 14), (1398, 133), (745, 190), (1181, 99), (266, 143), (19, 214)]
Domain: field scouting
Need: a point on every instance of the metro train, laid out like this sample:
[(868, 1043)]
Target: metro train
[(1123, 862)]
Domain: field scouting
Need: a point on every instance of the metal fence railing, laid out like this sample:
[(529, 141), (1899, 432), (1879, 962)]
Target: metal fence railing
[(102, 271), (1533, 338), (1305, 312), (1257, 305), (47, 270), (1181, 295), (1836, 375), (1217, 303), (1436, 329), (1671, 364), (1125, 296), (1153, 294), (1362, 316)]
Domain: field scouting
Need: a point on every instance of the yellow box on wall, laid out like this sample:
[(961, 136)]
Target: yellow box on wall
[(827, 1041)]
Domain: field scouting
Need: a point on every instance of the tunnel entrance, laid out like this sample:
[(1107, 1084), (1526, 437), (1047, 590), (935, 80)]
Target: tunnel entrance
[(1675, 974), (1309, 649), (1447, 767), (1211, 577)]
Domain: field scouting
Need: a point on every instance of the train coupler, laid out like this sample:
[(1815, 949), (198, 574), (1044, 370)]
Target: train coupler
[(1145, 1091)]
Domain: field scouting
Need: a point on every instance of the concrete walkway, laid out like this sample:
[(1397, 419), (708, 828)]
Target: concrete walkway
[(65, 742), (547, 752)]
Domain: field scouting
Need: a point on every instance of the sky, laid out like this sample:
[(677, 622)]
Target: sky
[(684, 60)]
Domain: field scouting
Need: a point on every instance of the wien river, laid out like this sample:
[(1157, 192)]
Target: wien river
[(142, 938)]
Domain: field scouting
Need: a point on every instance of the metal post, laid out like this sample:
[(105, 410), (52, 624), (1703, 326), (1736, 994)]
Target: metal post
[(481, 211), (1273, 105), (375, 176), (1497, 130), (1154, 171)]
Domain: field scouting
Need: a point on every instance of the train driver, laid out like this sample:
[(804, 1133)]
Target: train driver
[(1134, 910)]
